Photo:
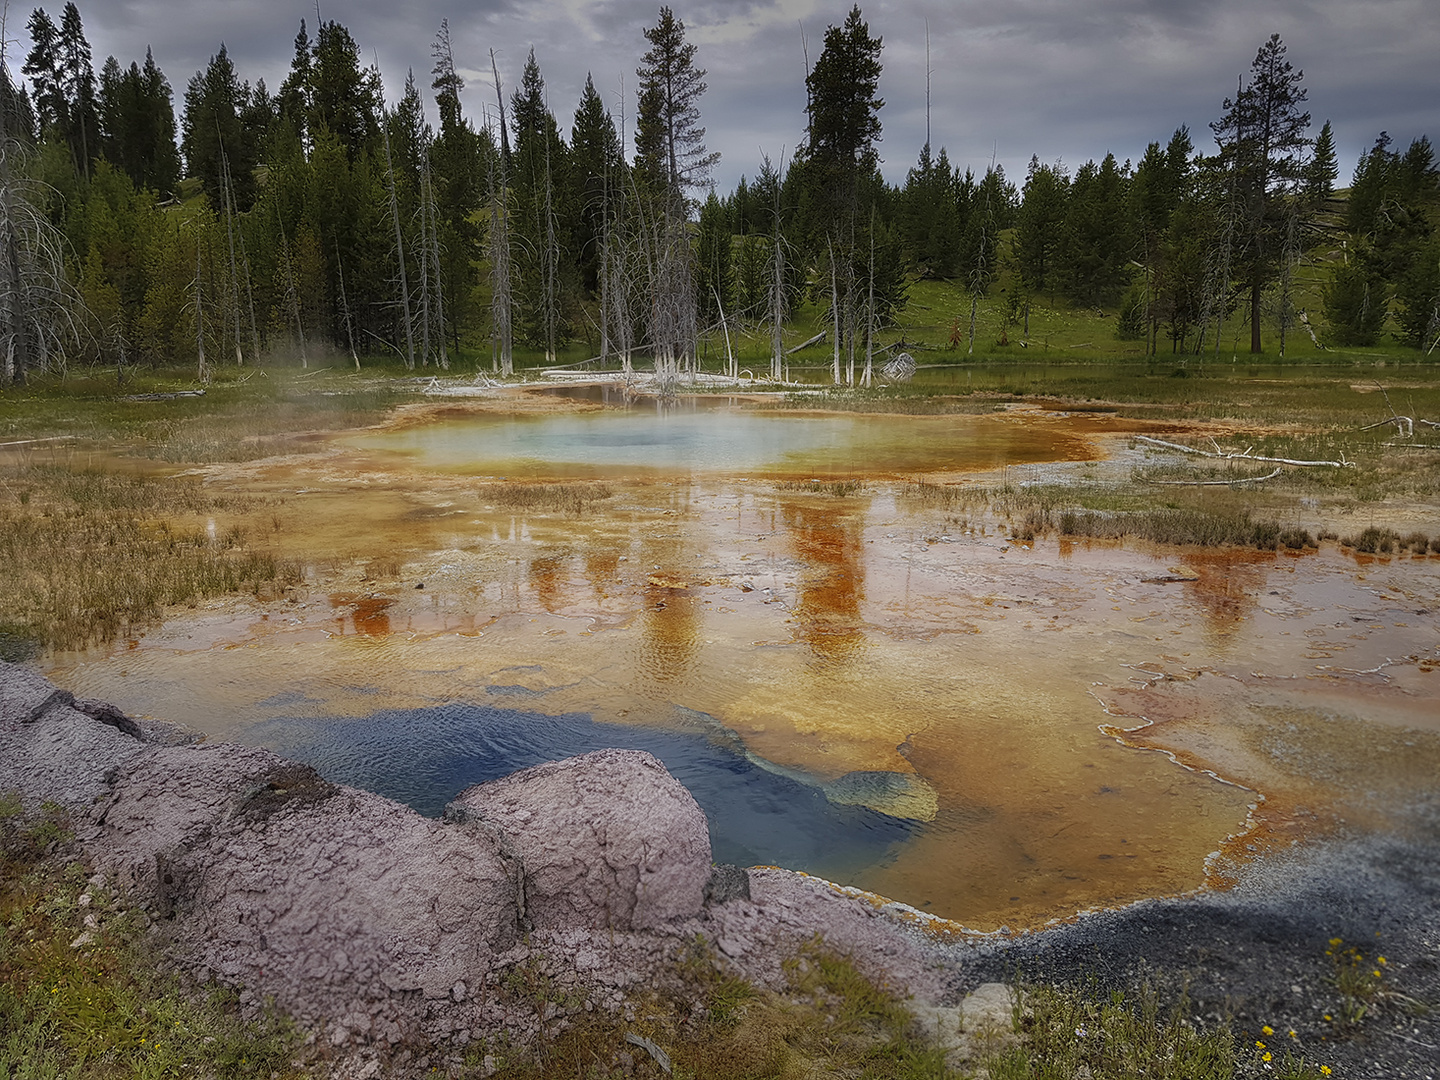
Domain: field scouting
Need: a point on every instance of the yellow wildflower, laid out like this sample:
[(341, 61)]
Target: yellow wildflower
[(1265, 1056), (1267, 1030), (1324, 1070), (1259, 1044)]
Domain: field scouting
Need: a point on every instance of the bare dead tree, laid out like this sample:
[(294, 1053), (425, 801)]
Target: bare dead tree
[(777, 272), (835, 311), (433, 253), (40, 311), (345, 308), (502, 299), (404, 288), (233, 291), (619, 263), (870, 299), (202, 371), (551, 260)]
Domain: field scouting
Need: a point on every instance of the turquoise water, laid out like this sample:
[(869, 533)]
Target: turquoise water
[(713, 441)]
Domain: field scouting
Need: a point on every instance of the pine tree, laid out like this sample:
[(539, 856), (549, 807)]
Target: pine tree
[(714, 272), (77, 82), (1323, 169), (1262, 142), (1038, 224), (596, 158), (43, 69), (670, 160), (540, 166), (669, 140), (137, 124), (293, 102), (458, 157), (845, 109), (838, 156), (211, 128), (930, 215), (345, 98)]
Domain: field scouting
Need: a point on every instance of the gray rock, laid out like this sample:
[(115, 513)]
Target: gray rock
[(609, 840), (315, 894)]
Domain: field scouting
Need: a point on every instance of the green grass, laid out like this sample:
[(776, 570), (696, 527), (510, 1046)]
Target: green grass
[(1065, 1033), (100, 1008)]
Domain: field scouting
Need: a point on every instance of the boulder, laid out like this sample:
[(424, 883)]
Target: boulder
[(609, 840), (321, 896)]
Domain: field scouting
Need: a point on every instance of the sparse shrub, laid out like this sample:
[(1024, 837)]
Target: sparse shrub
[(1373, 540), (1417, 542), (93, 555), (1297, 539), (1036, 523)]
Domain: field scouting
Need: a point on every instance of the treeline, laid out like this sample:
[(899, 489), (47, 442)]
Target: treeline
[(320, 217)]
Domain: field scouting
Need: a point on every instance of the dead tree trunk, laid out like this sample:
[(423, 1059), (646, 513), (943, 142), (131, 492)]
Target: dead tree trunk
[(399, 246), (502, 304)]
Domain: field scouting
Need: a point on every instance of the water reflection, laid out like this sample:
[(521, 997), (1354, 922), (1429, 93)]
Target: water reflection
[(545, 578), (1227, 587), (826, 632), (368, 615), (829, 542)]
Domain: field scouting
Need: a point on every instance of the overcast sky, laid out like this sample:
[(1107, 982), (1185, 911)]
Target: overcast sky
[(1064, 79)]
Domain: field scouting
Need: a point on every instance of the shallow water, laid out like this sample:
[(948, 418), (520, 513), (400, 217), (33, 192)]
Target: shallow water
[(714, 438), (425, 757), (859, 686)]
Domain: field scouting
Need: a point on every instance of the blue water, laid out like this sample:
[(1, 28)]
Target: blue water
[(709, 441), (425, 757)]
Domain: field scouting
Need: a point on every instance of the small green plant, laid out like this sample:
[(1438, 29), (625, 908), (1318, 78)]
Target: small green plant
[(1067, 1032), (1360, 981)]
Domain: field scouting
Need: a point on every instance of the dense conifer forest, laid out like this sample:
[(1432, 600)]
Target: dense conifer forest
[(243, 224)]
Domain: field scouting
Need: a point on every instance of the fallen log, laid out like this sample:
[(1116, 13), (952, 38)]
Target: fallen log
[(1214, 483), (807, 343), (1246, 456)]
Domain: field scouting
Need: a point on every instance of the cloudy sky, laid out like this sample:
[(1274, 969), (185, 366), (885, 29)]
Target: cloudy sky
[(1064, 79)]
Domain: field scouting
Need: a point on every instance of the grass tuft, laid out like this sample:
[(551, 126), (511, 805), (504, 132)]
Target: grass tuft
[(561, 498), (839, 489)]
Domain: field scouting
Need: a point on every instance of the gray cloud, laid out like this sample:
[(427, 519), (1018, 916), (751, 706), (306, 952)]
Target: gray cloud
[(1068, 79)]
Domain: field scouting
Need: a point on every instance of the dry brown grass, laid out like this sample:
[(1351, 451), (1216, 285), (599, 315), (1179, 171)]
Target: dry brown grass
[(558, 497), (90, 556)]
